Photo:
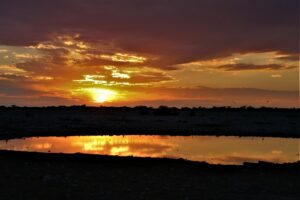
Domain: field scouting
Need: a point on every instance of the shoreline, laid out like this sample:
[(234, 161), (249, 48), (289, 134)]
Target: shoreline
[(50, 134), (27, 122)]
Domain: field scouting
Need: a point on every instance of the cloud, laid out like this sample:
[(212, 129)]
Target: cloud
[(52, 48), (8, 88), (292, 57), (21, 92), (114, 78), (242, 66), (226, 93), (175, 31), (276, 75), (6, 69)]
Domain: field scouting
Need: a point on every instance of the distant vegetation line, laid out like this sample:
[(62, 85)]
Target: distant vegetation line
[(160, 108)]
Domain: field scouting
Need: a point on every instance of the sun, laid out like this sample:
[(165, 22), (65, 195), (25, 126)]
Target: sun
[(102, 95)]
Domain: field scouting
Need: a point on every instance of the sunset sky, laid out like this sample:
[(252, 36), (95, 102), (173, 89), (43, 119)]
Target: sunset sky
[(149, 52)]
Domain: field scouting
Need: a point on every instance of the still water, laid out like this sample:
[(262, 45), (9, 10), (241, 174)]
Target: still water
[(215, 150)]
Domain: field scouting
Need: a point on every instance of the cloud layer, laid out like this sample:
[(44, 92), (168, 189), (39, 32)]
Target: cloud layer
[(176, 31), (50, 49)]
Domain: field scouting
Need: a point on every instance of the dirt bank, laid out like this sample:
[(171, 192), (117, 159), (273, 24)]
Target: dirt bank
[(58, 176)]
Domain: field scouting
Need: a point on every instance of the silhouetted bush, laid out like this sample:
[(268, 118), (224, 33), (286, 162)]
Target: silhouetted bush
[(162, 110), (166, 111)]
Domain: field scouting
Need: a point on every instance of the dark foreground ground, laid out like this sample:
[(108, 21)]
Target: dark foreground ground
[(81, 120), (59, 176)]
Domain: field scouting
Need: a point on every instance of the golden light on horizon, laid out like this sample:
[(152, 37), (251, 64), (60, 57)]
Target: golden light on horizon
[(96, 95), (102, 95)]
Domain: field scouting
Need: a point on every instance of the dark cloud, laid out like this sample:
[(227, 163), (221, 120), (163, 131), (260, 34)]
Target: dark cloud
[(176, 31), (150, 77), (101, 62), (227, 93), (242, 66), (9, 88)]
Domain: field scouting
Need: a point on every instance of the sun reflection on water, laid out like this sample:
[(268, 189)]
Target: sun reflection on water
[(215, 150)]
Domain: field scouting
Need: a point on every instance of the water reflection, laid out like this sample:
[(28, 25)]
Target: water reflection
[(216, 150)]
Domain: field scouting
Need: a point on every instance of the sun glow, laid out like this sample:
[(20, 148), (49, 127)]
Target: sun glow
[(102, 95)]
